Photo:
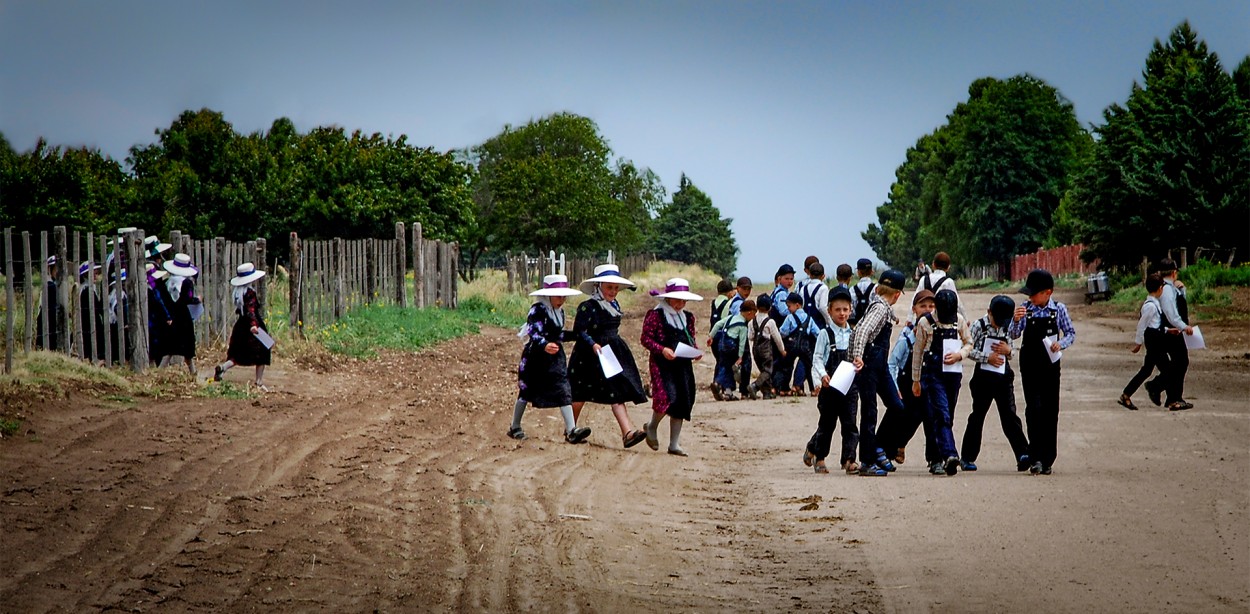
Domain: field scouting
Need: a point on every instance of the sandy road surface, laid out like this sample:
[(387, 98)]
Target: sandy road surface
[(389, 486)]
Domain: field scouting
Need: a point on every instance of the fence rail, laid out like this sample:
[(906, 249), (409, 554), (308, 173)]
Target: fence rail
[(526, 272), (327, 279)]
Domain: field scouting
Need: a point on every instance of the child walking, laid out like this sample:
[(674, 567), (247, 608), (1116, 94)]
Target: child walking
[(899, 425), (178, 338), (542, 376), (1046, 329), (598, 326), (246, 349), (728, 342), (834, 406), (1151, 333), (941, 342), (869, 345), (799, 331), (672, 376), (767, 347), (993, 381)]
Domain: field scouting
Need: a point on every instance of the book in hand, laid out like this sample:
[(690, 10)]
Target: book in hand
[(264, 338)]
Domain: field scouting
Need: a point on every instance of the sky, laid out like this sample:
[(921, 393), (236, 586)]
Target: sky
[(791, 116)]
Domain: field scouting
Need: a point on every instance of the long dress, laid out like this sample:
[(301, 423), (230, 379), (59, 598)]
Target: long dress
[(159, 316), (672, 381), (543, 378), (179, 338), (93, 336), (594, 324), (245, 349)]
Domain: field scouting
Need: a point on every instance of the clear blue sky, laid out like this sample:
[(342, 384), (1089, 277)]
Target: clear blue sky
[(792, 116)]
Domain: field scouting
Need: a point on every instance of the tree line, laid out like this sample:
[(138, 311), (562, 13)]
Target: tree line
[(1012, 170), (551, 184)]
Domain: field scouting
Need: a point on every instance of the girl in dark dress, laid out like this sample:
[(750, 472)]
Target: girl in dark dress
[(160, 319), (246, 348), (672, 377), (178, 338), (92, 325), (598, 326), (542, 376)]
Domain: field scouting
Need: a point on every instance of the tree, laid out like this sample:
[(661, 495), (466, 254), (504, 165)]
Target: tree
[(690, 229), (915, 196), (1168, 170)]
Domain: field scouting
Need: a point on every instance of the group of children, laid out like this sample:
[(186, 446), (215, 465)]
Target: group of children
[(800, 335), (1162, 328)]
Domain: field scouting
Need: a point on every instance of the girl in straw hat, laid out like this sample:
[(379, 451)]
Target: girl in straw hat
[(180, 299), (160, 318), (246, 348), (672, 377), (598, 326), (542, 376)]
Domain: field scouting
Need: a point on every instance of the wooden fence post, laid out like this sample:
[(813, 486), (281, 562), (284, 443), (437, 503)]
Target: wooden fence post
[(8, 300), (72, 322), (371, 271), (45, 303), (511, 270), (295, 298), (262, 264), (88, 314), (454, 277), (137, 294), (27, 292), (418, 266), (401, 264), (338, 263)]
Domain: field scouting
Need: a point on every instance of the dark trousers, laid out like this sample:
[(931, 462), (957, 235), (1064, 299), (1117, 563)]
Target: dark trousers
[(744, 374), (873, 381), (898, 426), (941, 392), (1178, 365), (998, 388), (1041, 407), (1156, 358), (835, 408), (803, 371), (724, 373)]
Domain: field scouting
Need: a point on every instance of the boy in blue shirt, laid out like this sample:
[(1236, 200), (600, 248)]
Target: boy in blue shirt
[(899, 425), (728, 340), (784, 280), (799, 332), (831, 347)]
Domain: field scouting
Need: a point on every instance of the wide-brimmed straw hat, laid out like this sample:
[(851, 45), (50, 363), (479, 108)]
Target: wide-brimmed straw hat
[(608, 274), (153, 247), (556, 285), (180, 265), (153, 271), (85, 266), (679, 289), (245, 273)]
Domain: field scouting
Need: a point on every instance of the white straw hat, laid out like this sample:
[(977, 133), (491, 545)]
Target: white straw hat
[(153, 247), (246, 273), (678, 288), (154, 272), (556, 285), (608, 274), (180, 265)]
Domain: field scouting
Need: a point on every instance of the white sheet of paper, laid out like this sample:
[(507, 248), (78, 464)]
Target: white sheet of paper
[(951, 346), (843, 377), (686, 351), (196, 310), (1054, 356), (1194, 341), (264, 338), (989, 349), (607, 360)]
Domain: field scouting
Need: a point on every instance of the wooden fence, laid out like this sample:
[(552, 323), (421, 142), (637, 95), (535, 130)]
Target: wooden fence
[(525, 273), (1059, 261), (327, 279)]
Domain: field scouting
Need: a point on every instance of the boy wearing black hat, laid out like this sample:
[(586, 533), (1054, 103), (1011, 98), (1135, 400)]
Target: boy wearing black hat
[(1175, 308), (1153, 334), (799, 331), (869, 345), (741, 295), (862, 290), (1046, 329), (720, 304), (897, 428), (831, 348), (993, 382), (941, 343), (784, 280)]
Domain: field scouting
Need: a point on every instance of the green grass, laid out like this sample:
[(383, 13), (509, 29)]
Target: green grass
[(9, 428), (224, 390), (367, 329)]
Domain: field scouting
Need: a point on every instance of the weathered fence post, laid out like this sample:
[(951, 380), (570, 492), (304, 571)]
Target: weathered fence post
[(511, 272), (262, 288), (27, 292), (371, 271), (338, 263), (418, 266), (72, 306), (401, 264), (8, 300), (454, 277), (295, 297), (87, 311), (45, 302), (137, 294)]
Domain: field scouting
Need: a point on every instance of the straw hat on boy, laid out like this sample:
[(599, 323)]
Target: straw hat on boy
[(556, 285), (678, 288)]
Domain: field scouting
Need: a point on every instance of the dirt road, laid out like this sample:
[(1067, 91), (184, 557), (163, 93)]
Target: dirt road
[(390, 486)]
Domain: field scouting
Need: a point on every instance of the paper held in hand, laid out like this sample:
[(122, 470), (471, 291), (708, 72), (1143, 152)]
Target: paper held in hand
[(686, 351), (951, 346), (1194, 341), (843, 377), (607, 360), (264, 338), (1054, 356), (988, 350)]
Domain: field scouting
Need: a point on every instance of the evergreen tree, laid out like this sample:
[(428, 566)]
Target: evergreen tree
[(690, 229)]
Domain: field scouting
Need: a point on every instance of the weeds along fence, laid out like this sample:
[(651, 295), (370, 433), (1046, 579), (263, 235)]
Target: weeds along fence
[(525, 272), (45, 300)]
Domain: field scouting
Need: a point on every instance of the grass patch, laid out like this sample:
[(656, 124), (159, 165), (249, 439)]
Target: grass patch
[(9, 427), (58, 372), (224, 390), (365, 330)]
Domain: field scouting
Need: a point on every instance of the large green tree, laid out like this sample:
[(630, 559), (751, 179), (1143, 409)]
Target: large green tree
[(50, 186), (1169, 168), (690, 229)]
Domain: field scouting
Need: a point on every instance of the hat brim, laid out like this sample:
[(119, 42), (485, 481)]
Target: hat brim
[(556, 292), (681, 295), (246, 279), (608, 279), (172, 268), (159, 274), (159, 249)]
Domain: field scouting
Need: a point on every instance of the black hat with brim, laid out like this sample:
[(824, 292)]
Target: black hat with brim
[(1039, 280), (892, 279)]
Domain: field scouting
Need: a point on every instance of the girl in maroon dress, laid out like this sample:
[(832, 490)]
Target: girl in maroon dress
[(672, 377), (246, 347)]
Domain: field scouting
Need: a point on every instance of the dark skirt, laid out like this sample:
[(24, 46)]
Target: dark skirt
[(543, 378), (245, 349), (672, 385), (589, 385)]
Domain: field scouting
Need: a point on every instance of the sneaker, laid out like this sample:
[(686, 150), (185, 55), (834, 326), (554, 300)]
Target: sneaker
[(936, 468), (1035, 468), (952, 465), (578, 434), (1156, 395), (1046, 470), (1022, 463), (717, 393), (873, 471), (968, 465)]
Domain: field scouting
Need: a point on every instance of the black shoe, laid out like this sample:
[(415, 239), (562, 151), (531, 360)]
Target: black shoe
[(1036, 468), (1156, 395), (968, 465), (1046, 470), (1180, 406), (516, 433), (577, 435), (952, 465), (1023, 463)]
